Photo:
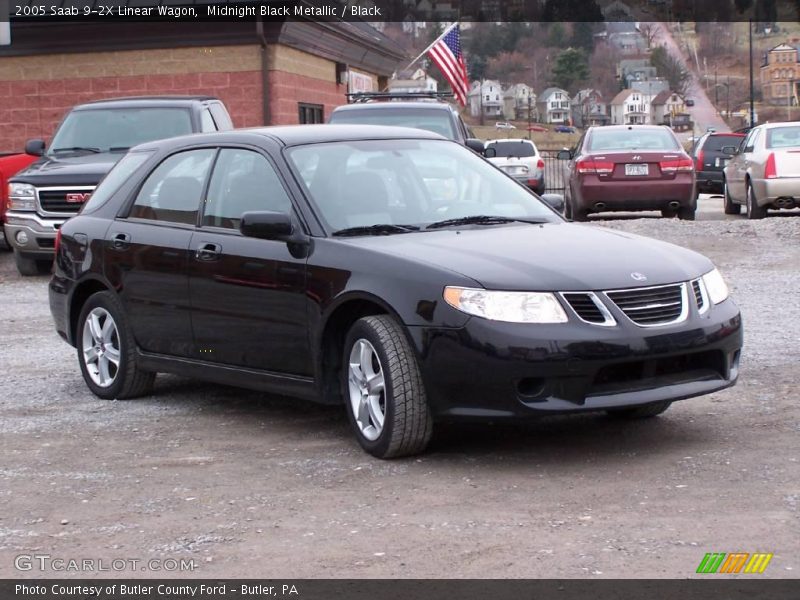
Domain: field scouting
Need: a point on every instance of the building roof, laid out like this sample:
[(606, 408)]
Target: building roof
[(622, 96), (663, 97), (551, 90)]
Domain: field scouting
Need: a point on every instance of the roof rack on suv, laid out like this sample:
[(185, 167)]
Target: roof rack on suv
[(368, 96)]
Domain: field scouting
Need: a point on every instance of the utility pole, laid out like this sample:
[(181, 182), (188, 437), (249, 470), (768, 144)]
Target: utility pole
[(529, 113), (752, 91)]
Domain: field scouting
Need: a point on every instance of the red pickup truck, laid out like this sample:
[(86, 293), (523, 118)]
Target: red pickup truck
[(10, 164)]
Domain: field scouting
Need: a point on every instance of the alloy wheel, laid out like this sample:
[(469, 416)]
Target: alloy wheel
[(100, 345), (367, 388)]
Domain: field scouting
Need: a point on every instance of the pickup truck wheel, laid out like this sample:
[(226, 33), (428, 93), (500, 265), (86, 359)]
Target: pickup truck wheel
[(27, 267), (107, 351), (640, 412), (754, 211), (381, 382), (729, 206)]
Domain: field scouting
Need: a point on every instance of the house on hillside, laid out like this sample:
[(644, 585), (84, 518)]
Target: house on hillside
[(651, 86), (666, 106), (407, 82), (588, 109), (487, 97), (780, 73), (553, 105), (518, 100), (630, 107)]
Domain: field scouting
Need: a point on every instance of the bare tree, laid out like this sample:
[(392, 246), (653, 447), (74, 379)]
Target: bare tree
[(650, 32)]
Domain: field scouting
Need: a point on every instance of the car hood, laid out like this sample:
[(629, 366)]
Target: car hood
[(77, 169), (548, 257)]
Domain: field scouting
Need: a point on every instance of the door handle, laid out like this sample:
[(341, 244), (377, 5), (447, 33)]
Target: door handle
[(208, 251), (120, 241)]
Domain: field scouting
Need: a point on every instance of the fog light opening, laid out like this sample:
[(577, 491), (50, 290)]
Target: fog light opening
[(21, 237), (530, 387)]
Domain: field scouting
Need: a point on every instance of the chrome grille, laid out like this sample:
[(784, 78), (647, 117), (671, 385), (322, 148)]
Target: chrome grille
[(589, 308), (699, 296), (54, 200), (650, 306)]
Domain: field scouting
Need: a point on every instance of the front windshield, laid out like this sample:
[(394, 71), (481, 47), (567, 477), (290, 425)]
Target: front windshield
[(117, 129), (407, 182), (632, 138), (436, 120)]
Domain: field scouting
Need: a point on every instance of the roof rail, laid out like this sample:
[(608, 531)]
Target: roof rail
[(367, 96)]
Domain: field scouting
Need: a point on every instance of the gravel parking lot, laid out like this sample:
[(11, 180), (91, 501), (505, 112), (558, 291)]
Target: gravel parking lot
[(249, 485)]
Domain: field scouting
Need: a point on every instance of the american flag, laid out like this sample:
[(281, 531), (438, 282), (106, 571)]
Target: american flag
[(446, 53)]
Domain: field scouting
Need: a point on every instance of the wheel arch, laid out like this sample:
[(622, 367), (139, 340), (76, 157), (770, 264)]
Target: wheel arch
[(82, 292), (340, 318)]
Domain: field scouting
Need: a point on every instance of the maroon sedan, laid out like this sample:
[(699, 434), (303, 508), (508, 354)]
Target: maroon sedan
[(629, 167)]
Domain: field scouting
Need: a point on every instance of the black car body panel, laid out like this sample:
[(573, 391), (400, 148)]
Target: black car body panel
[(710, 160), (260, 314)]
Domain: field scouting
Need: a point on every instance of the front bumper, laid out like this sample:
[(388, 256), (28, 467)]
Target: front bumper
[(768, 191), (41, 233), (493, 370)]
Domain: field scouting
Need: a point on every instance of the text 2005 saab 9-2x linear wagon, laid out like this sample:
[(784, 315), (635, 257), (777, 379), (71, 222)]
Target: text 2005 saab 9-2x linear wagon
[(387, 269)]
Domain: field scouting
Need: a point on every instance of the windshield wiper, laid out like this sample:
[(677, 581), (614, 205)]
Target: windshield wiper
[(484, 220), (119, 148), (379, 229), (77, 149)]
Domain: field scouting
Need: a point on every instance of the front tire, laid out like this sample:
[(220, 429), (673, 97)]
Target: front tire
[(729, 206), (382, 386), (646, 411), (754, 211), (107, 350)]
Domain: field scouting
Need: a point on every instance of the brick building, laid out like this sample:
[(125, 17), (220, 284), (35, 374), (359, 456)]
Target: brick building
[(265, 72), (780, 73)]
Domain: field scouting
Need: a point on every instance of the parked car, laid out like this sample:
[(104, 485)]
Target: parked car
[(88, 142), (426, 112), (520, 159), (385, 269), (764, 170), (709, 160), (538, 128), (504, 125), (629, 167), (689, 102), (9, 165), (564, 129)]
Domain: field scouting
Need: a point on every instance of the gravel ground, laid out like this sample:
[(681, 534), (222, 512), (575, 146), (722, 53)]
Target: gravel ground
[(254, 486)]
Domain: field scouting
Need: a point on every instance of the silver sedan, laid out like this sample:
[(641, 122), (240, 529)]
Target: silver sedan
[(764, 170)]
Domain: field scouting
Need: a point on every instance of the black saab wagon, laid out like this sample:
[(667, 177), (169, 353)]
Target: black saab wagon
[(386, 269)]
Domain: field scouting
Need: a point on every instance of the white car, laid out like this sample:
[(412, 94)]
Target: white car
[(504, 125), (520, 159)]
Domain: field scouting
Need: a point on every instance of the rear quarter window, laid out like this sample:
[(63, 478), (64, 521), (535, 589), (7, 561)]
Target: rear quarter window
[(118, 174)]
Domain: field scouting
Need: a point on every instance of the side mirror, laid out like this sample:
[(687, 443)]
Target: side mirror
[(35, 147), (730, 150), (555, 201), (475, 145), (266, 225), (564, 155)]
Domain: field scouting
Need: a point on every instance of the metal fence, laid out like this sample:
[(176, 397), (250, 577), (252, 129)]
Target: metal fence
[(554, 172)]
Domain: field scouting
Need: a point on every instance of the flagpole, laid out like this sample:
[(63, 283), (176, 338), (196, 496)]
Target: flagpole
[(436, 41)]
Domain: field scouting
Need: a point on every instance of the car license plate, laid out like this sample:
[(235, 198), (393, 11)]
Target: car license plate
[(635, 169), (721, 162), (515, 170)]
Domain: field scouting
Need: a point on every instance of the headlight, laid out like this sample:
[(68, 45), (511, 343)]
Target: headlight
[(21, 196), (715, 286), (511, 307)]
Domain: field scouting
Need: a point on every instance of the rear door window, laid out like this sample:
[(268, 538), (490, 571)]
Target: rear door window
[(173, 190)]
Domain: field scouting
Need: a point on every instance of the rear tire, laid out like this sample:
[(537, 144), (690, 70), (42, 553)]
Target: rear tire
[(383, 390), (754, 211), (107, 350), (669, 213), (729, 206), (646, 411)]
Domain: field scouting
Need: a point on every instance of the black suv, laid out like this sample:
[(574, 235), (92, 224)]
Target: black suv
[(709, 160), (385, 269), (88, 142), (418, 110)]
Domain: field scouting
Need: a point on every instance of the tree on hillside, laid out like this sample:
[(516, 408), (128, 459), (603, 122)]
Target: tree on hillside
[(570, 70), (557, 36), (583, 37), (649, 32), (603, 71), (671, 69), (509, 67)]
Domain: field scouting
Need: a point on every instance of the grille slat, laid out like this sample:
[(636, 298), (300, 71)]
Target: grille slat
[(698, 295), (585, 307), (650, 306)]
